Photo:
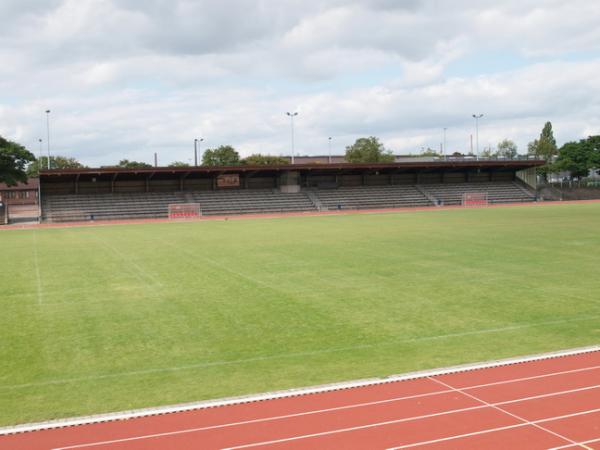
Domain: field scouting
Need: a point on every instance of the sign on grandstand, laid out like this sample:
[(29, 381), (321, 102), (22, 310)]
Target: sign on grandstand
[(184, 210), (230, 180), (475, 199)]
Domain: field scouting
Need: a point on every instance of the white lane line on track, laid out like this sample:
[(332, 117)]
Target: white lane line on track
[(36, 264), (269, 419), (492, 430), (502, 410), (591, 411), (578, 444), (291, 355)]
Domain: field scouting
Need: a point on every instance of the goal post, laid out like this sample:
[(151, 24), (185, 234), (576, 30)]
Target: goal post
[(475, 199), (184, 210)]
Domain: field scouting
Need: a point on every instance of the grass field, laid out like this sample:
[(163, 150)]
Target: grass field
[(99, 319)]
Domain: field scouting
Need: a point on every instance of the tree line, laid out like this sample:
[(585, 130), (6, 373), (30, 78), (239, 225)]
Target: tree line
[(577, 157)]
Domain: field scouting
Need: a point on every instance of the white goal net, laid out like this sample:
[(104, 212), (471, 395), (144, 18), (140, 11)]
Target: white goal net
[(474, 199), (184, 210)]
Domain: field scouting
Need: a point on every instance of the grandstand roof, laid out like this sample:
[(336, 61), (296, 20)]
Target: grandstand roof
[(448, 163)]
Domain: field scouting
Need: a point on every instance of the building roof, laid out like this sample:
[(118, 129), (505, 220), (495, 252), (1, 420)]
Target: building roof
[(32, 184)]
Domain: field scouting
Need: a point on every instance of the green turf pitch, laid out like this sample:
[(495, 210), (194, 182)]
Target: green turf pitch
[(98, 319)]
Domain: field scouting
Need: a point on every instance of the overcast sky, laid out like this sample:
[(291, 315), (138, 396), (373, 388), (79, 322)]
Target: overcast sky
[(127, 78)]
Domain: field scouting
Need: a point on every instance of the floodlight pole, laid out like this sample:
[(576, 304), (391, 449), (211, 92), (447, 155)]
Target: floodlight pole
[(292, 115), (196, 150), (39, 191), (444, 150), (329, 139), (477, 117), (48, 135)]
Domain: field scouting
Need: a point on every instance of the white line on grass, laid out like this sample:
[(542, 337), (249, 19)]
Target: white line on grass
[(291, 355), (358, 405), (126, 415), (287, 355), (36, 263), (142, 274)]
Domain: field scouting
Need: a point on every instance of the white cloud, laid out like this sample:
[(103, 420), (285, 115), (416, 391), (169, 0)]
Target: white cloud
[(126, 78)]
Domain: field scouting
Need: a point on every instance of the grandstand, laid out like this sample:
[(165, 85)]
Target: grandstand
[(60, 208), (108, 194)]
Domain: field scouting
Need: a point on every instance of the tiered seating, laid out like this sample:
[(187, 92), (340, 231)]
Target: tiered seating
[(61, 208), (251, 201), (365, 197), (498, 192)]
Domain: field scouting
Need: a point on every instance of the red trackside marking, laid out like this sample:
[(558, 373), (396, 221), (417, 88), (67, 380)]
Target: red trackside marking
[(387, 415)]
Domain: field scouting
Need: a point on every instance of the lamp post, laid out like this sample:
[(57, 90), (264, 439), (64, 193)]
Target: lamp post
[(39, 191), (292, 115), (477, 117), (48, 135), (329, 141), (444, 151), (196, 150)]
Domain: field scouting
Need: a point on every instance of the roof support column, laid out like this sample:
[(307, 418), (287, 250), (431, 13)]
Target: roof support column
[(112, 183)]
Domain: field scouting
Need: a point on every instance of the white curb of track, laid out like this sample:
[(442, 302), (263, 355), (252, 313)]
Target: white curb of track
[(133, 414)]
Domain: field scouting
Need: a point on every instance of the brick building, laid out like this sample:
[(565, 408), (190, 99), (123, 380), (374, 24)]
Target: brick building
[(21, 194)]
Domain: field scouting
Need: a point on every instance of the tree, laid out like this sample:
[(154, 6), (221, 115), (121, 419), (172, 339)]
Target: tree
[(257, 160), (13, 162), (225, 155), (430, 152), (578, 158), (574, 158), (56, 162), (544, 148), (368, 150), (126, 164), (179, 164), (488, 153), (507, 149)]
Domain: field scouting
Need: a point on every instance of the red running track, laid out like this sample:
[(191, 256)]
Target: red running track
[(543, 404)]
